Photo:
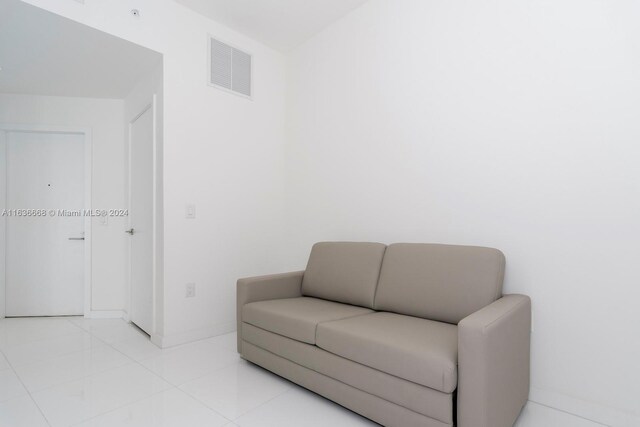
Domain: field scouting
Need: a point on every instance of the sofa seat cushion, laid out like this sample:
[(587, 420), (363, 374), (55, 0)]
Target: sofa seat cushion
[(418, 398), (297, 318), (415, 349)]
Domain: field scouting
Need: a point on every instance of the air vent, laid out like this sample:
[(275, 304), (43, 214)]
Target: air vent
[(229, 68)]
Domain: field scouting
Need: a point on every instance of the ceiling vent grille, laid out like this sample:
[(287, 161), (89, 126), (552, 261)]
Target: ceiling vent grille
[(229, 68)]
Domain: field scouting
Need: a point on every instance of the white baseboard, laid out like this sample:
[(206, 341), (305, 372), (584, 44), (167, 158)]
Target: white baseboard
[(106, 314), (190, 336), (605, 415)]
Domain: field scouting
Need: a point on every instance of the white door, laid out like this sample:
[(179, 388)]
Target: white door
[(45, 254), (141, 220)]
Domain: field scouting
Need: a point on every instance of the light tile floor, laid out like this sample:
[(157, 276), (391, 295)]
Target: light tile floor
[(58, 372)]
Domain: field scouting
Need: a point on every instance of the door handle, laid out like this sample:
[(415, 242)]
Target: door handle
[(132, 231), (76, 238)]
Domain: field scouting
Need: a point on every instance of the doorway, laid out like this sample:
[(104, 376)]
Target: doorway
[(142, 152), (70, 79), (47, 221)]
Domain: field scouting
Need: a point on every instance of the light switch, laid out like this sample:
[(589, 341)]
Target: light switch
[(191, 211)]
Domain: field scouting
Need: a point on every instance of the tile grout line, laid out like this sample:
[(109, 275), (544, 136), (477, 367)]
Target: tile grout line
[(264, 403), (231, 420), (177, 386), (132, 361), (57, 336), (46, 420), (569, 413), (288, 390), (70, 381), (28, 392), (120, 407), (173, 386)]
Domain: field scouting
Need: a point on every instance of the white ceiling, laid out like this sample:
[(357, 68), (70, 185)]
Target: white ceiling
[(45, 54), (281, 24)]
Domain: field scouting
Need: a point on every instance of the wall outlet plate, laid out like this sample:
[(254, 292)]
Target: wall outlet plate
[(190, 291), (191, 211)]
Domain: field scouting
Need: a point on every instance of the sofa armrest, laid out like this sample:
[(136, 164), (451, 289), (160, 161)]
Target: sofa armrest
[(493, 363), (262, 288)]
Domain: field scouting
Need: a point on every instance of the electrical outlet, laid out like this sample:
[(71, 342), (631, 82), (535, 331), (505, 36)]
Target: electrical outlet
[(532, 324), (190, 290), (191, 211)]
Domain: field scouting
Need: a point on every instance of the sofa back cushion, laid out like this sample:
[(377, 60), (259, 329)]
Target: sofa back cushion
[(439, 282), (344, 272)]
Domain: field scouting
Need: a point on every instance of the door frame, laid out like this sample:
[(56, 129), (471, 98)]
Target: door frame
[(88, 169), (150, 106)]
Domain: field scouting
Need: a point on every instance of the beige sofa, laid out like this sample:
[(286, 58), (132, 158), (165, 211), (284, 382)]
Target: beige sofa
[(405, 334)]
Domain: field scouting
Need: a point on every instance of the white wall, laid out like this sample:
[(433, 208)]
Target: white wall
[(221, 152), (511, 124), (3, 201), (105, 118)]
